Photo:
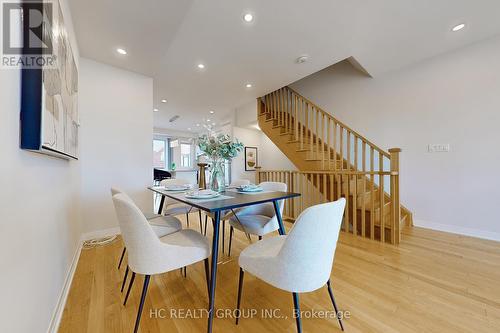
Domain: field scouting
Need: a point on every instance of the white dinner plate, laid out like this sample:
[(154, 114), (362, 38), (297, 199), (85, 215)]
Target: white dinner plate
[(202, 196), (251, 189), (176, 188)]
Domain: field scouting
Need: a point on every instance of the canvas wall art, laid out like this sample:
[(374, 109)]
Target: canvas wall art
[(49, 105), (251, 158)]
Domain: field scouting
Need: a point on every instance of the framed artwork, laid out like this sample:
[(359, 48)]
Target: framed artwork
[(251, 158), (49, 92)]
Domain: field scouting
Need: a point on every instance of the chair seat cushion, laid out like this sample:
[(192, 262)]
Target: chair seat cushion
[(267, 247), (179, 209), (194, 247), (259, 259), (187, 238), (224, 215), (254, 224), (150, 216), (165, 225)]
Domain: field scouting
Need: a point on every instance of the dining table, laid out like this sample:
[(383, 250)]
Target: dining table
[(229, 200)]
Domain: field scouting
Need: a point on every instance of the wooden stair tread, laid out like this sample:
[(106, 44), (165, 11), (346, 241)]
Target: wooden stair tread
[(296, 141)]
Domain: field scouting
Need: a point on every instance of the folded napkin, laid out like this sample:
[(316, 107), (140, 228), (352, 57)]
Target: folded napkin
[(250, 188)]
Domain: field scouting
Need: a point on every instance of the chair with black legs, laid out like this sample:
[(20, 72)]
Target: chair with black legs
[(174, 208), (149, 255), (259, 219), (300, 262), (225, 215), (162, 226)]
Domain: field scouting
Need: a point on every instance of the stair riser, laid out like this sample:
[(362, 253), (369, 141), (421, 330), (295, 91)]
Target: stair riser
[(313, 155)]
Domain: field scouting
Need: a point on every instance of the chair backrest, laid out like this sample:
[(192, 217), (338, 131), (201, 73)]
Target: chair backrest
[(115, 190), (273, 186), (174, 181), (278, 187), (239, 182), (309, 248), (266, 209), (141, 241)]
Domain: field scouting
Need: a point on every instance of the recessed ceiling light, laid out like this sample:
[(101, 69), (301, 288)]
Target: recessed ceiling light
[(208, 120), (164, 101), (198, 125), (121, 51), (201, 66), (458, 27), (302, 59), (248, 17), (155, 110), (211, 112), (248, 85)]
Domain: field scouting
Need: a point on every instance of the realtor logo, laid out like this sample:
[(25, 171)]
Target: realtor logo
[(27, 34)]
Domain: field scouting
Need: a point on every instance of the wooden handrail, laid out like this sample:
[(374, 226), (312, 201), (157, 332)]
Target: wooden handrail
[(346, 164), (339, 172), (362, 138)]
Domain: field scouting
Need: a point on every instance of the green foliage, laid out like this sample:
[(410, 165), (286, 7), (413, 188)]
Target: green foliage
[(219, 147)]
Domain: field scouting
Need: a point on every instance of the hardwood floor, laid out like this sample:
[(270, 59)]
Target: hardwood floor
[(431, 282)]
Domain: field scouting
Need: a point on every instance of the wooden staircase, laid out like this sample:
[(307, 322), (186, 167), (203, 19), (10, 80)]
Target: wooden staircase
[(333, 161)]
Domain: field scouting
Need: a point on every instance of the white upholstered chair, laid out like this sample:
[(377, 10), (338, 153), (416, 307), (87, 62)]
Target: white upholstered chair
[(173, 207), (258, 219), (150, 255), (225, 215), (162, 226), (302, 261), (239, 182)]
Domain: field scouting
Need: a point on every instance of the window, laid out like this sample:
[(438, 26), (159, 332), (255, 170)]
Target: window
[(160, 156), (185, 155)]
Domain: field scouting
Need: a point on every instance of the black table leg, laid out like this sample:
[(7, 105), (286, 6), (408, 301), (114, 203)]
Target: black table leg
[(281, 229), (162, 202), (213, 276)]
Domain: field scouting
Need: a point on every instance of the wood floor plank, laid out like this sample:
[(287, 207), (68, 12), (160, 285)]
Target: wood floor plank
[(431, 282)]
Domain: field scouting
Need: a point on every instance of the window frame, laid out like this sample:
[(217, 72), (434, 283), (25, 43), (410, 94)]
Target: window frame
[(166, 152)]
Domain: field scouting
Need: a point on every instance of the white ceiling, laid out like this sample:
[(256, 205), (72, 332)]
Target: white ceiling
[(167, 39)]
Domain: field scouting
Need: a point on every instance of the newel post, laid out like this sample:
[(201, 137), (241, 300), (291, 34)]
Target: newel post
[(257, 174), (395, 203)]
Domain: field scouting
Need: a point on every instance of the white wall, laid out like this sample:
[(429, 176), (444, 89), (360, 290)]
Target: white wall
[(39, 220), (249, 138), (246, 114), (173, 133), (115, 140), (455, 99), (269, 156), (39, 223), (245, 129)]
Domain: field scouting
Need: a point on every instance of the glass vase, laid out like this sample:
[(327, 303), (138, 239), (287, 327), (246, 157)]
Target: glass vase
[(217, 176)]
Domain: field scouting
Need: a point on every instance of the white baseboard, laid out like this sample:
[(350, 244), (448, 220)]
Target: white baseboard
[(495, 236), (61, 302), (101, 233)]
